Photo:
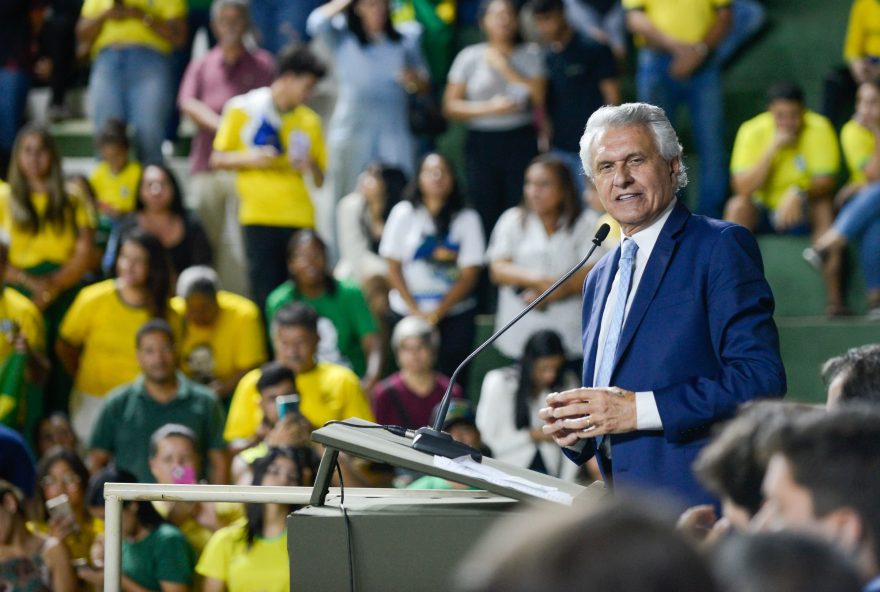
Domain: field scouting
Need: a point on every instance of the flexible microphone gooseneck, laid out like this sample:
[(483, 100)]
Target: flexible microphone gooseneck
[(433, 440)]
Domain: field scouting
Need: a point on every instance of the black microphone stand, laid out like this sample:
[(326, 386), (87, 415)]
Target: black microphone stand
[(433, 440)]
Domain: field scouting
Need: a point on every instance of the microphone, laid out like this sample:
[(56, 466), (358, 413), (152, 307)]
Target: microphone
[(433, 440)]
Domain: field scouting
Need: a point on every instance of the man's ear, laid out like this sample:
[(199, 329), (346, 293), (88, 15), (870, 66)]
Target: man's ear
[(674, 168), (846, 528)]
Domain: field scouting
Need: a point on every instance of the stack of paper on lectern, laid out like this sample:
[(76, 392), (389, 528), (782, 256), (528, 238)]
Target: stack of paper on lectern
[(465, 465)]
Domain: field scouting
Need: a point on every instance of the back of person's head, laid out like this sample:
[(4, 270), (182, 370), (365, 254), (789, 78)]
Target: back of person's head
[(835, 456), (154, 326), (198, 279), (415, 326), (781, 562), (541, 7), (612, 546), (296, 314), (853, 376), (113, 133), (785, 91), (172, 430), (274, 373), (733, 464), (147, 515), (298, 59)]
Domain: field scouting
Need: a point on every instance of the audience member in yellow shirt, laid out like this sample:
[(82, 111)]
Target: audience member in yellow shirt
[(784, 165), (223, 335), (271, 139), (115, 179), (97, 338), (327, 391), (131, 75), (51, 238)]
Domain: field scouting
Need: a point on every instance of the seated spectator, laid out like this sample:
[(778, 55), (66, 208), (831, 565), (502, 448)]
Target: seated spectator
[(155, 554), (159, 210), (78, 184), (581, 77), (53, 431), (376, 66), (824, 478), (507, 414), (174, 459), (327, 391), (16, 461), (62, 473), (131, 77), (160, 395), (782, 562), (533, 245), (275, 431), (859, 220), (853, 376), (22, 352), (229, 69), (223, 335), (97, 337), (348, 332), (30, 561), (435, 248), (783, 165), (732, 467), (251, 555), (360, 221), (546, 549), (272, 141), (115, 179), (407, 397), (51, 236)]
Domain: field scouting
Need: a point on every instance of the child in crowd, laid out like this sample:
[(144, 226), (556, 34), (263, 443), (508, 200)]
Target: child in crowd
[(115, 178)]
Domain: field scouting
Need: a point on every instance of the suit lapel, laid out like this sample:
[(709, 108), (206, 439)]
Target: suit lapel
[(594, 320), (653, 276)]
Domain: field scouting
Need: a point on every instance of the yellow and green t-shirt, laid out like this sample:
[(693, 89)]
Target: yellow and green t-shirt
[(133, 31), (52, 243), (17, 309), (235, 341), (815, 154), (117, 190), (687, 21), (326, 392), (105, 327), (858, 144), (863, 32), (264, 567), (276, 196)]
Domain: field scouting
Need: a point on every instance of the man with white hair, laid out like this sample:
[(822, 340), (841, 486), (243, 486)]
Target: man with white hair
[(677, 320)]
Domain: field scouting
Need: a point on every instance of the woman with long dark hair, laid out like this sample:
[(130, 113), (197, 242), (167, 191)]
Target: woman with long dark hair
[(251, 555), (507, 415), (97, 336), (159, 210), (376, 66), (351, 337), (435, 248)]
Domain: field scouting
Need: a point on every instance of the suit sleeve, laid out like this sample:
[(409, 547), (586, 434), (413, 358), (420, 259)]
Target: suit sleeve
[(745, 339)]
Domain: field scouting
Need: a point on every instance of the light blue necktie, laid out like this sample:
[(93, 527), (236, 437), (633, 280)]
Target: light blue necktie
[(615, 327)]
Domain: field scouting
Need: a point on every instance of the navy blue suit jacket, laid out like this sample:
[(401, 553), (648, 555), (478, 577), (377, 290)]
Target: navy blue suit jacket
[(699, 333)]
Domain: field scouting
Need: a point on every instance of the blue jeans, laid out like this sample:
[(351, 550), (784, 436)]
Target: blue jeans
[(702, 95), (280, 22), (859, 220), (14, 84), (748, 18), (133, 83)]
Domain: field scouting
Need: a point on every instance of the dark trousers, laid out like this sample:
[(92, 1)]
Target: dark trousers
[(266, 250), (495, 165)]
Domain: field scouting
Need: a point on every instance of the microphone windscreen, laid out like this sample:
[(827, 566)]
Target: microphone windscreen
[(602, 233)]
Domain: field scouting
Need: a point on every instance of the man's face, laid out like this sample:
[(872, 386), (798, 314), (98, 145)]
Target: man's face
[(550, 26), (155, 354), (173, 455), (634, 182), (268, 396), (230, 26), (295, 347), (788, 116), (201, 309), (787, 505)]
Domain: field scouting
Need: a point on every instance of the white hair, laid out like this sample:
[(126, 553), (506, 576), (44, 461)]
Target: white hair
[(414, 326), (650, 116), (195, 279)]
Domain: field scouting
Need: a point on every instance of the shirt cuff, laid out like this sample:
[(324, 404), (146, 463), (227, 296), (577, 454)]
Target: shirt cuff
[(647, 415)]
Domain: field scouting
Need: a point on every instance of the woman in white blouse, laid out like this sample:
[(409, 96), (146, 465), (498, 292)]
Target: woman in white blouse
[(507, 415), (435, 249), (532, 245)]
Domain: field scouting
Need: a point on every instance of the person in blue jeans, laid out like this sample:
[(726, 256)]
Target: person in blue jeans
[(859, 218), (280, 22)]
